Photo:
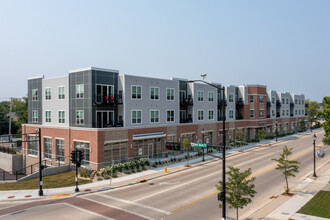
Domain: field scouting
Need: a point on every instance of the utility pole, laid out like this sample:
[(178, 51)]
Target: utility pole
[(224, 154), (41, 193), (10, 109)]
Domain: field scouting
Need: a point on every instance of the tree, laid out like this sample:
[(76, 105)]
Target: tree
[(261, 134), (20, 107), (240, 135), (312, 109), (239, 188), (326, 115), (302, 125), (186, 145), (287, 166)]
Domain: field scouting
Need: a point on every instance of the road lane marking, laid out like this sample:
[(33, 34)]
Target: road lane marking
[(121, 209), (135, 203), (254, 175), (60, 195), (90, 212)]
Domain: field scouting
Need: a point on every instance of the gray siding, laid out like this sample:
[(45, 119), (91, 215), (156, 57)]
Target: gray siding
[(203, 105), (35, 83)]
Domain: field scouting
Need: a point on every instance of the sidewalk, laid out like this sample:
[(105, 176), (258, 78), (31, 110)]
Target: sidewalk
[(126, 180)]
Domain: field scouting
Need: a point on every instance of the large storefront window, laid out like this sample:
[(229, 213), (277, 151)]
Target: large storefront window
[(116, 152), (48, 148), (84, 147), (60, 150), (148, 148), (33, 145)]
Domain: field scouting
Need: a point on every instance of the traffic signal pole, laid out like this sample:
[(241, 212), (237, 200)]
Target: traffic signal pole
[(76, 156), (41, 193)]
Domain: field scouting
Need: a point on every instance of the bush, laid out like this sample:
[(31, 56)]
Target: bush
[(114, 175), (99, 178), (127, 172), (7, 150), (97, 174), (106, 177), (154, 165)]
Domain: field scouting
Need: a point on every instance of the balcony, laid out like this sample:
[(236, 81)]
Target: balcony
[(278, 115), (268, 116), (291, 115), (186, 120), (102, 100), (186, 101), (220, 102), (239, 116), (278, 104), (268, 104), (291, 105), (101, 124), (220, 118), (239, 102)]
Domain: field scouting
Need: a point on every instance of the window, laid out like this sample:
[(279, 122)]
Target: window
[(136, 117), (84, 147), (299, 112), (230, 97), (60, 150), (273, 112), (251, 99), (154, 93), (283, 112), (261, 113), (287, 112), (33, 145), (61, 92), (80, 91), (48, 116), (170, 115), (261, 99), (295, 112), (200, 115), (211, 96), (200, 96), (273, 100), (34, 94), (211, 115), (61, 117), (252, 113), (80, 117), (302, 101), (283, 100), (48, 93), (299, 101), (287, 101), (169, 94), (302, 112), (183, 116), (48, 148), (136, 92), (295, 101), (231, 113), (35, 116), (154, 116)]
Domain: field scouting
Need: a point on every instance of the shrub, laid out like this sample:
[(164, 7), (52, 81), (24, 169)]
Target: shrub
[(106, 177), (97, 174), (127, 172), (114, 175), (154, 165), (99, 178)]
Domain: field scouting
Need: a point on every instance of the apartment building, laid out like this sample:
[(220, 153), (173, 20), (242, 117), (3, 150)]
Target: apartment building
[(112, 116)]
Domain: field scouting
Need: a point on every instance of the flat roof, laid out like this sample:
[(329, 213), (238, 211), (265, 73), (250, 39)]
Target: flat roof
[(93, 68)]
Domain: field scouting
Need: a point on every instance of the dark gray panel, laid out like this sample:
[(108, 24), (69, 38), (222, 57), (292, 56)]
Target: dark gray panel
[(35, 105)]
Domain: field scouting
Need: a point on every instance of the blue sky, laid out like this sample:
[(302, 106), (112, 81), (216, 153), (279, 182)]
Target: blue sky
[(282, 44)]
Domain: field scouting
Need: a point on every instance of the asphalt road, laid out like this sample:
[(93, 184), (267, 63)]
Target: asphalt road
[(189, 194)]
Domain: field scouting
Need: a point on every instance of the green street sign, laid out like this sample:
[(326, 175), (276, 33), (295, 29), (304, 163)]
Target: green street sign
[(198, 145)]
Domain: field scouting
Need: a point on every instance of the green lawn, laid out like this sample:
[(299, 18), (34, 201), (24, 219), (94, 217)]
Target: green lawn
[(52, 181), (319, 205)]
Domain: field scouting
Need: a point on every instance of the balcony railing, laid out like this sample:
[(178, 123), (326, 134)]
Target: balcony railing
[(101, 124), (220, 118), (291, 105), (278, 103), (278, 115), (220, 102), (186, 120), (268, 104), (239, 102), (239, 116), (186, 101), (291, 115), (103, 100), (268, 116)]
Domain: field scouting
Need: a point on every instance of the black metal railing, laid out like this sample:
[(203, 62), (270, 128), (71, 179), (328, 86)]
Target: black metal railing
[(278, 103), (101, 124), (186, 120), (239, 102), (291, 105), (239, 116), (103, 100), (220, 102), (291, 115), (278, 115), (268, 116), (186, 101), (268, 104)]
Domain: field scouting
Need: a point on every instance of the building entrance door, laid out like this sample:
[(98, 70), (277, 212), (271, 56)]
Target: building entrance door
[(150, 150)]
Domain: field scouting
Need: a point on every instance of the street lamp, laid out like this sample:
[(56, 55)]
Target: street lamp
[(203, 143), (276, 132), (314, 140), (223, 193)]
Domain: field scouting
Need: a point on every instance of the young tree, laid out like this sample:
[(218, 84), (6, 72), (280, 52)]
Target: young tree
[(302, 125), (312, 109), (186, 145), (326, 115), (239, 188), (240, 135), (287, 166)]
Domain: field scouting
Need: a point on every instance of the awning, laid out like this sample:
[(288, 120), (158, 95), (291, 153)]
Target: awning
[(148, 136)]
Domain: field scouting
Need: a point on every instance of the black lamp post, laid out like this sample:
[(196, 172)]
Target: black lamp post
[(41, 193), (314, 140), (223, 193), (203, 143), (276, 131)]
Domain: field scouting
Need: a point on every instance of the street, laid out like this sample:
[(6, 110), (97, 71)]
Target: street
[(187, 194)]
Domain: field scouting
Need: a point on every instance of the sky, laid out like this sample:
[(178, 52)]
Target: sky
[(282, 44)]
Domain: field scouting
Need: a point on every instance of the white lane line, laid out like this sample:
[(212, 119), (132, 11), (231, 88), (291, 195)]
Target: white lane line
[(183, 184), (136, 204), (85, 210), (124, 210), (249, 161)]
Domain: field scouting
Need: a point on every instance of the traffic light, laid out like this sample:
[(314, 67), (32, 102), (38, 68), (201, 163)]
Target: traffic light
[(221, 196), (73, 156), (80, 156), (173, 146)]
